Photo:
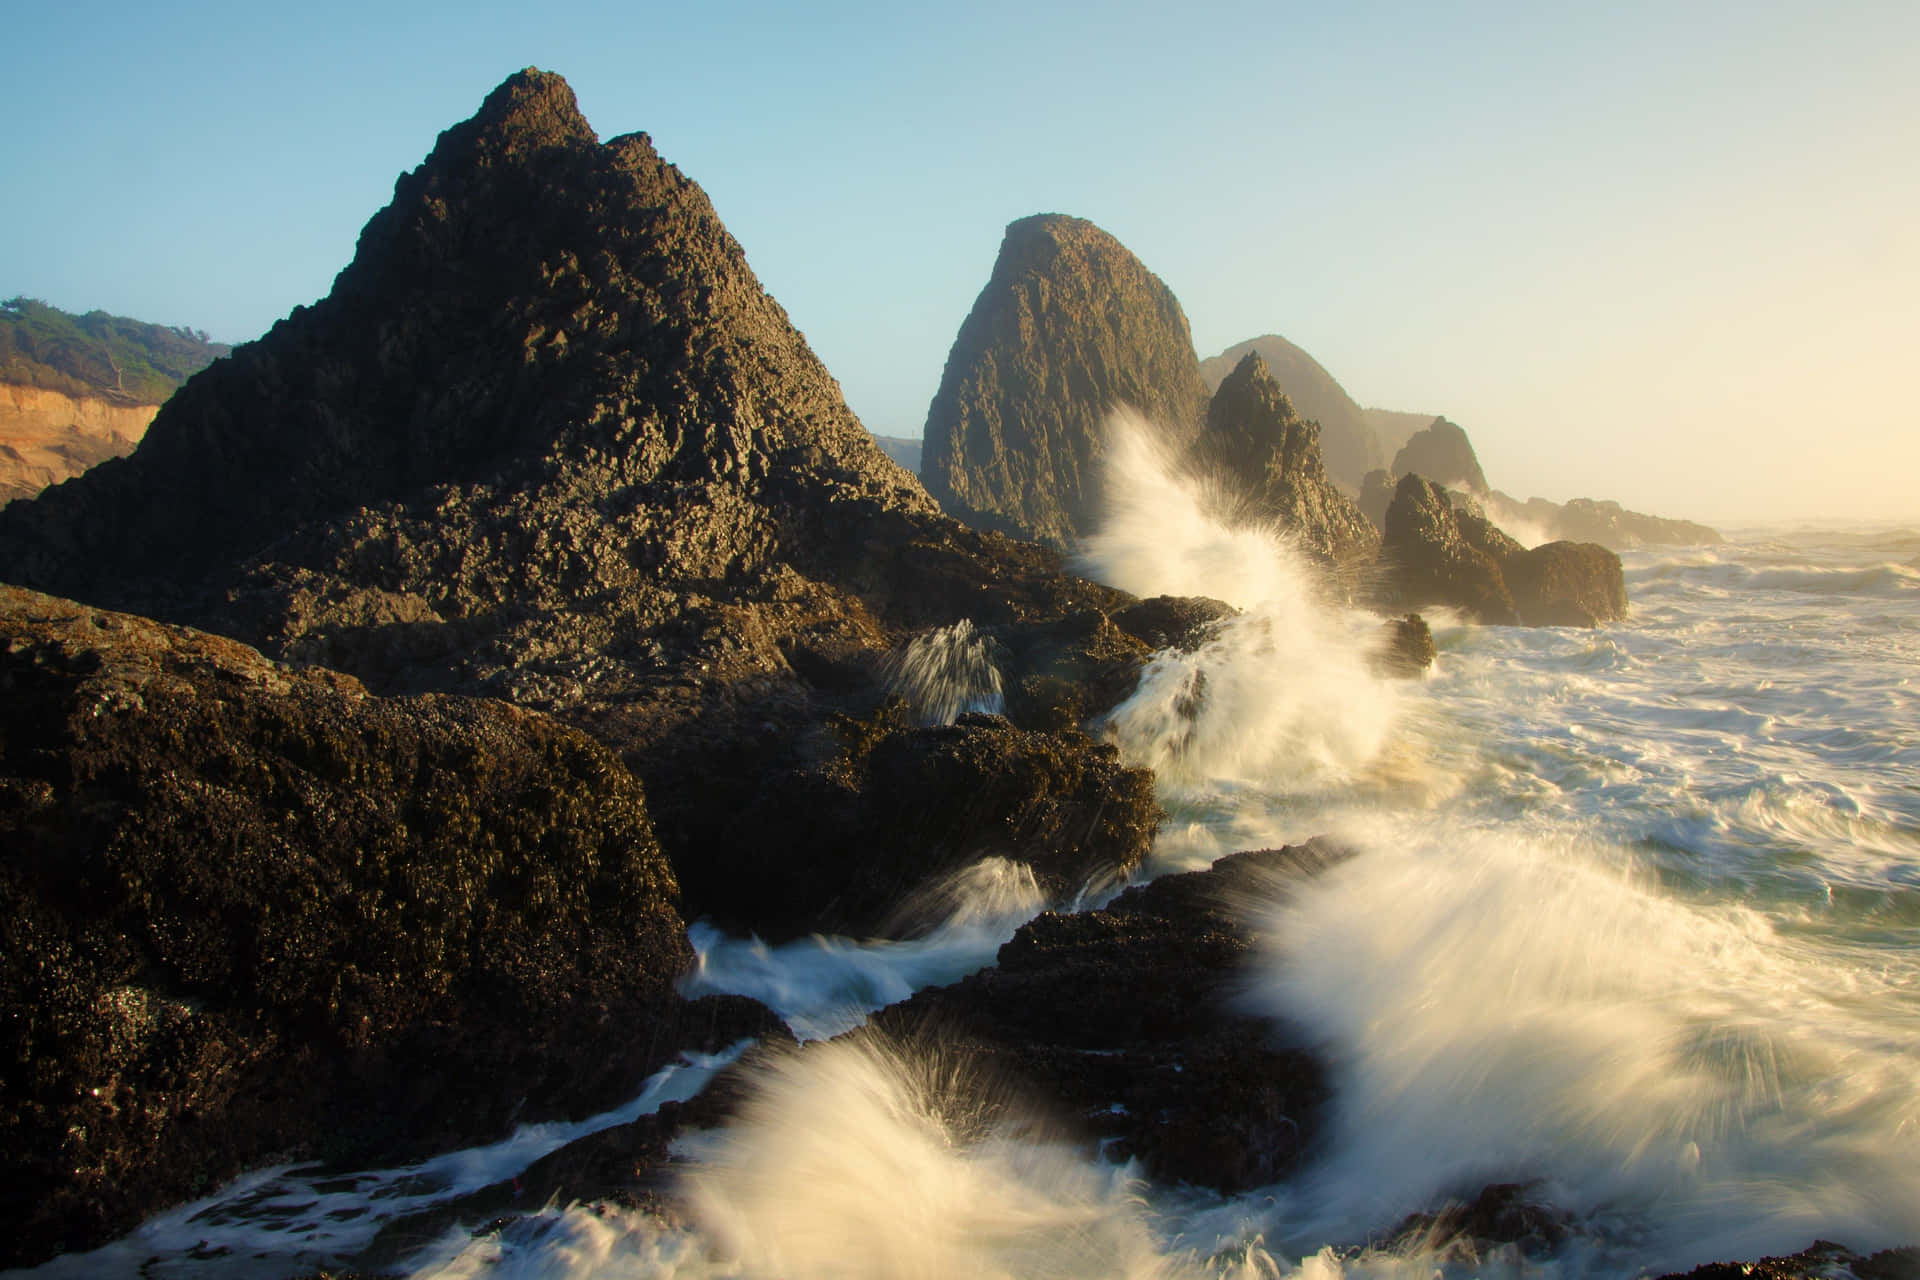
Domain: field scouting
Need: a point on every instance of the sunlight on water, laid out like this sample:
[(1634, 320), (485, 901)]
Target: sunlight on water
[(945, 673)]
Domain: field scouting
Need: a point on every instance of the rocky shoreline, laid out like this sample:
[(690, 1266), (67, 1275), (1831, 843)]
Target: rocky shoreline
[(448, 649)]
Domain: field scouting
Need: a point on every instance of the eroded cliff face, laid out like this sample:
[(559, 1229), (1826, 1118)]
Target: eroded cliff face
[(49, 436)]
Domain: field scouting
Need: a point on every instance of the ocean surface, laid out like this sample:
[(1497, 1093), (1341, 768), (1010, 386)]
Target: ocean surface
[(1635, 919)]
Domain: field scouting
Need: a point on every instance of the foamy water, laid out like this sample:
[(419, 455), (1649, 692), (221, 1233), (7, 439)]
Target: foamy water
[(1635, 919)]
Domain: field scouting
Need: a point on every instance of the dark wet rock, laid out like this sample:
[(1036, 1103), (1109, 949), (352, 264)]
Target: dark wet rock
[(1069, 327), (1376, 495), (1260, 450), (842, 844), (1431, 558), (1348, 443), (1123, 1019), (1566, 584), (1174, 622), (1819, 1261), (252, 913), (1442, 453), (1441, 549), (1409, 650), (1501, 1214)]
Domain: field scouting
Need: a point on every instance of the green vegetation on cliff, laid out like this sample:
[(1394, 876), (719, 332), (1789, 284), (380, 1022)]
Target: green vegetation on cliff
[(98, 354)]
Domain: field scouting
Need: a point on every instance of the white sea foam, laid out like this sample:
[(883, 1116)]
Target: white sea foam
[(1500, 1010), (1284, 693), (946, 672), (823, 986)]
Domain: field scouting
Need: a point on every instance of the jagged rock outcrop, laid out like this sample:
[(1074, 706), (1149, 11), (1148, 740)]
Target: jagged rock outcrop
[(1069, 327), (547, 440), (250, 911), (1262, 451), (1376, 495), (1435, 555), (1348, 443), (1436, 551), (1442, 453)]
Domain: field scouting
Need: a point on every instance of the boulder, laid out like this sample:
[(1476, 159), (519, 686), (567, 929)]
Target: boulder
[(1069, 328), (255, 913), (1442, 452), (1123, 1020), (1260, 450), (842, 843), (1440, 549), (1566, 584), (1430, 558)]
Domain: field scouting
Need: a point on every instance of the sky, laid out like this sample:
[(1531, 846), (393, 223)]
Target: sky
[(1667, 254)]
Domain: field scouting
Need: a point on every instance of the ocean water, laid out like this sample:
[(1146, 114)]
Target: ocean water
[(1635, 919)]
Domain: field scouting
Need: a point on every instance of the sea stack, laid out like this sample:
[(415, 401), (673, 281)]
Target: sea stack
[(1443, 454), (1258, 448), (1349, 446), (1070, 327)]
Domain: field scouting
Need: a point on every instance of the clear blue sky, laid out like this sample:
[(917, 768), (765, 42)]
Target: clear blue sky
[(1666, 253)]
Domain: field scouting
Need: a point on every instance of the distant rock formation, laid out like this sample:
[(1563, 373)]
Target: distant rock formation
[(253, 913), (1437, 552), (1069, 327), (1376, 495), (1442, 453), (1259, 446), (1607, 523), (902, 450), (1349, 445), (1393, 427)]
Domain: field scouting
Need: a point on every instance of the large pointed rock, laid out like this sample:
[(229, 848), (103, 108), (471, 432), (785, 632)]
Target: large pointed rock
[(1261, 451), (549, 441), (1070, 327), (1349, 444)]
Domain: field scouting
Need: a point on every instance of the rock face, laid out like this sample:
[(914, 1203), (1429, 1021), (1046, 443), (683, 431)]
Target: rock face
[(840, 846), (1069, 327), (1348, 442), (50, 436), (1435, 552), (547, 440), (1376, 495), (1123, 1019), (1442, 453), (251, 911), (1258, 446)]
